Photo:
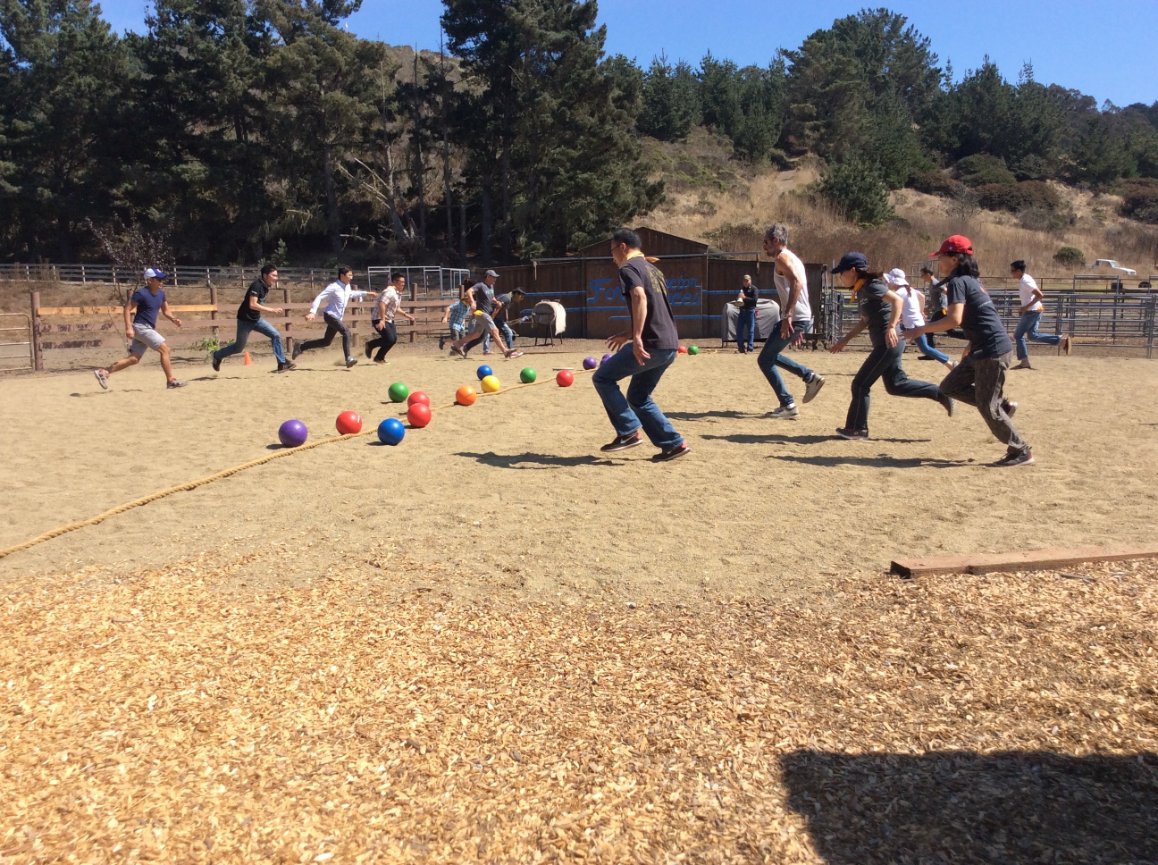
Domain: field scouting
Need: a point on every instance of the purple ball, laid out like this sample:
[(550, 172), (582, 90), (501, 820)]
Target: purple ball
[(292, 433), (589, 363), (606, 358)]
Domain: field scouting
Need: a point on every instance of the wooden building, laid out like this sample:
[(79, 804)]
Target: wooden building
[(700, 282)]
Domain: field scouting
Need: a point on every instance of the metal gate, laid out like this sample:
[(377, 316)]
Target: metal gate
[(15, 351)]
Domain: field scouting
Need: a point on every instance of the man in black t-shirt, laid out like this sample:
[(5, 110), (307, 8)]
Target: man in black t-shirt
[(644, 352), (249, 319)]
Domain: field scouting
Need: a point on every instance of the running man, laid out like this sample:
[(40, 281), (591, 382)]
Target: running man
[(141, 329), (337, 296), (383, 318), (249, 319), (1031, 310)]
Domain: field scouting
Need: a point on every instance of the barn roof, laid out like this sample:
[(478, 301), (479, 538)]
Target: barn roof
[(658, 243)]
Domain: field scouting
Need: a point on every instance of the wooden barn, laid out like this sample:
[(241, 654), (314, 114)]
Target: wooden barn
[(700, 282)]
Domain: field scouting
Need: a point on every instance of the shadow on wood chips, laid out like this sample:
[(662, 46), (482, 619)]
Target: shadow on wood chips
[(964, 807)]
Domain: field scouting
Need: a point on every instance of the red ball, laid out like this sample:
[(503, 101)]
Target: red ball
[(418, 414), (349, 423), (565, 378), (683, 349), (418, 396)]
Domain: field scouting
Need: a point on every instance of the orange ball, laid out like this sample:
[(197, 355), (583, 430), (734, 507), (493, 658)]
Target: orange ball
[(465, 395), (349, 423), (418, 414), (565, 378)]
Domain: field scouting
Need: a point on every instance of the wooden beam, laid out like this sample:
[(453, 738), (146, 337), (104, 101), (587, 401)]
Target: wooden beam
[(1032, 560), (114, 310)]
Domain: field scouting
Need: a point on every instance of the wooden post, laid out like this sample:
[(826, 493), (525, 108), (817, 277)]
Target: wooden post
[(37, 354), (289, 345), (216, 331)]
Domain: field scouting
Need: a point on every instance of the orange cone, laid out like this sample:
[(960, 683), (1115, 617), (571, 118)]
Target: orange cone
[(248, 359)]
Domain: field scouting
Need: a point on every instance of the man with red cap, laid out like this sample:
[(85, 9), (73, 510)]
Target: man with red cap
[(979, 378)]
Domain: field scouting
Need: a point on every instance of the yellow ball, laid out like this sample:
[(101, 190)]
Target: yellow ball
[(490, 384)]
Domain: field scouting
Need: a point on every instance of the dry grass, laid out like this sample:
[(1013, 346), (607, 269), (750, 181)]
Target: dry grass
[(729, 205)]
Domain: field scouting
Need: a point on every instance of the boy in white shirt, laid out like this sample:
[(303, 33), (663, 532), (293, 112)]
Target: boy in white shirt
[(337, 295), (1031, 310)]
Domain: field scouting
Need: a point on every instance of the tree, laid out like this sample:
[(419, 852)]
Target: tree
[(65, 78), (324, 87), (671, 100), (552, 153)]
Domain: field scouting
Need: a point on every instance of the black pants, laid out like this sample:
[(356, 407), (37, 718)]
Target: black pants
[(387, 337), (883, 363), (334, 325)]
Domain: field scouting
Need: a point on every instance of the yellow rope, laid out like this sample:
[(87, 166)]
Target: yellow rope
[(190, 485)]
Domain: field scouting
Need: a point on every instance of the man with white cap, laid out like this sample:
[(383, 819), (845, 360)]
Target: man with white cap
[(140, 313)]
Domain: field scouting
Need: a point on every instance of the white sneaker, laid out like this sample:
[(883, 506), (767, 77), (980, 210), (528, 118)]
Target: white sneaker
[(785, 412), (812, 388)]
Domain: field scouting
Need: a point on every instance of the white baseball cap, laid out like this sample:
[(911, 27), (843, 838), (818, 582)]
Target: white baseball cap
[(896, 276), (153, 273)]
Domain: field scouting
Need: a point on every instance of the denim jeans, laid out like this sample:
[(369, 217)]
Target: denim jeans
[(883, 363), (385, 340), (244, 329), (979, 382), (771, 357), (508, 334), (638, 409), (746, 329), (334, 326), (1027, 326), (925, 346)]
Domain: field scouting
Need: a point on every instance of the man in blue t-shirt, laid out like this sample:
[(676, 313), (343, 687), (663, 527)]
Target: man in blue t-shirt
[(644, 352), (140, 313), (979, 378)]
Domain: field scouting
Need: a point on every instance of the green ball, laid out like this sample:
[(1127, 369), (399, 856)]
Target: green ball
[(398, 392), (693, 349), (527, 375)]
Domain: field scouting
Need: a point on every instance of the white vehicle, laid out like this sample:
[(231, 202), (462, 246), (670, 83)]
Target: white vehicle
[(1110, 264)]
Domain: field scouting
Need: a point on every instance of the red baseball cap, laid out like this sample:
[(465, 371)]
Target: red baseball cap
[(957, 244)]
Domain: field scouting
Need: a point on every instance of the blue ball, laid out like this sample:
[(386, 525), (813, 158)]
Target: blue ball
[(391, 431), (483, 371)]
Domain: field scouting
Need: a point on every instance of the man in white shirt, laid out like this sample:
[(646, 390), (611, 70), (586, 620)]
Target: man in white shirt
[(795, 320), (385, 309), (337, 295), (1031, 310)]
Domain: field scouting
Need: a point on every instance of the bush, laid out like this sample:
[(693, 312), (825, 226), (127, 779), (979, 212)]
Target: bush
[(1140, 201), (981, 169), (856, 189), (935, 183), (1016, 197), (1070, 256)]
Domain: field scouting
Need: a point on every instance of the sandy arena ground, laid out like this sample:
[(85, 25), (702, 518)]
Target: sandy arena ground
[(493, 643)]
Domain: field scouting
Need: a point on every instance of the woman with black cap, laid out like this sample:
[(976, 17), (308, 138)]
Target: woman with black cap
[(880, 311), (979, 378)]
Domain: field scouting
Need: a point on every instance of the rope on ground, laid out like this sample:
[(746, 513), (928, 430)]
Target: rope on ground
[(191, 485)]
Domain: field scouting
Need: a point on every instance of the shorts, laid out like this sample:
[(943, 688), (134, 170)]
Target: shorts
[(480, 322), (145, 337), (458, 331)]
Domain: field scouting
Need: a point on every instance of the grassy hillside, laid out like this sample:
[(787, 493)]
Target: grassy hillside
[(718, 200)]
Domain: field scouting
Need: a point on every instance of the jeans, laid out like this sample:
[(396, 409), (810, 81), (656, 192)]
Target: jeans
[(746, 329), (638, 409), (333, 325), (508, 334), (925, 346), (884, 363), (771, 357), (385, 341), (1027, 326), (979, 382), (244, 329)]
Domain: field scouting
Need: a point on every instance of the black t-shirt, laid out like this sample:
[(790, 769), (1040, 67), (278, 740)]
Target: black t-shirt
[(981, 323), (874, 309), (257, 289), (483, 299), (751, 293), (659, 328)]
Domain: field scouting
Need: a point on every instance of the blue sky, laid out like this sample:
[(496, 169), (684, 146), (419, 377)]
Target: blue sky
[(1104, 49)]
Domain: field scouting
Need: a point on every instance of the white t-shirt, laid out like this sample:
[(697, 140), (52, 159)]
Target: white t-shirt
[(1025, 289), (803, 310), (337, 295), (911, 314)]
